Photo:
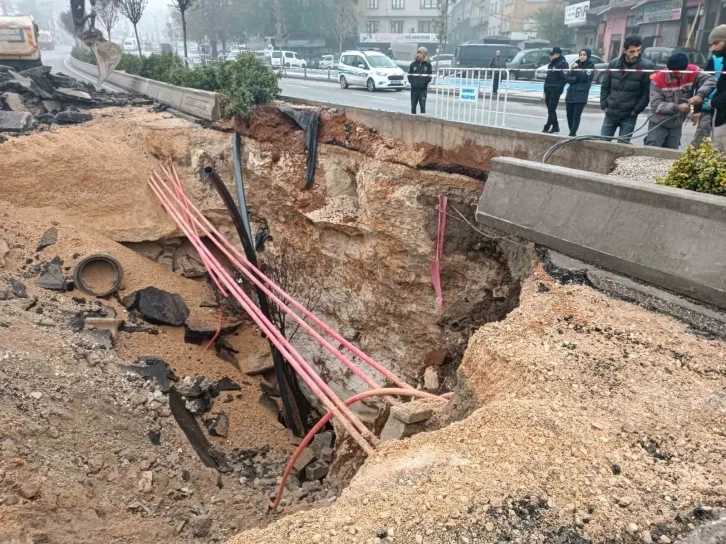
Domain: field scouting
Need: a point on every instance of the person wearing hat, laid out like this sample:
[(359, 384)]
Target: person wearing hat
[(419, 76), (625, 91), (703, 115), (554, 84), (672, 93)]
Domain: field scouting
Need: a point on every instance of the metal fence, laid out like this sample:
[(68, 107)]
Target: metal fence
[(466, 95)]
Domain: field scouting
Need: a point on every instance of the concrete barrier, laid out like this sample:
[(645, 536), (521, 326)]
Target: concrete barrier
[(673, 238), (475, 146), (200, 104)]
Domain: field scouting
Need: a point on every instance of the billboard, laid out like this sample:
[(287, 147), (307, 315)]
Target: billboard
[(406, 38), (662, 11), (577, 13)]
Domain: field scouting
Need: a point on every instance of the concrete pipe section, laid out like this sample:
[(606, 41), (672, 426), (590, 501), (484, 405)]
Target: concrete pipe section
[(98, 275)]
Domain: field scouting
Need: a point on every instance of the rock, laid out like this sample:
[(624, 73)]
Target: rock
[(52, 278), (106, 323), (147, 479), (259, 364), (326, 454), (29, 491), (67, 94), (317, 470), (646, 537), (435, 358), (14, 102), (4, 294), (632, 528), (306, 457), (155, 369), (225, 384), (201, 333), (320, 441), (45, 119), (218, 425), (73, 116), (395, 429), (186, 261), (317, 537), (10, 499), (49, 238), (201, 526), (624, 502), (37, 395), (664, 539), (412, 412), (13, 121), (52, 105), (431, 379), (158, 307), (18, 289), (39, 76), (98, 338)]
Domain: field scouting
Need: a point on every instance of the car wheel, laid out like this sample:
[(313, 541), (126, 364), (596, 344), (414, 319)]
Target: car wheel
[(343, 82), (398, 90), (371, 85)]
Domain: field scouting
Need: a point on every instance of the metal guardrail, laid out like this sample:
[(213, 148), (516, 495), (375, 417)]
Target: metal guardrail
[(467, 95)]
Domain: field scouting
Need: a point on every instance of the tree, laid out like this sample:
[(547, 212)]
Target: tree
[(550, 24), (182, 6), (65, 19), (133, 10), (278, 14), (346, 17), (108, 12), (443, 29)]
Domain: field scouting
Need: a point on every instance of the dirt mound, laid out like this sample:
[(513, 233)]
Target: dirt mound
[(100, 169), (600, 422)]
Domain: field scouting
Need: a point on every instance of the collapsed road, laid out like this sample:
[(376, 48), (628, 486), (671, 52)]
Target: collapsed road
[(571, 416)]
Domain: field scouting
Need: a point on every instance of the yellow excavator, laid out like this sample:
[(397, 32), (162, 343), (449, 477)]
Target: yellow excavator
[(108, 54)]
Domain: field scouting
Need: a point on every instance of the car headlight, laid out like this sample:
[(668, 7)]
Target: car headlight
[(382, 74)]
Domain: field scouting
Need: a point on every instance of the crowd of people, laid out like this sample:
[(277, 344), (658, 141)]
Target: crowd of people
[(683, 91)]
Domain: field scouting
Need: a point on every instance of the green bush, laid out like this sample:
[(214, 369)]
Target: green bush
[(701, 169), (243, 82)]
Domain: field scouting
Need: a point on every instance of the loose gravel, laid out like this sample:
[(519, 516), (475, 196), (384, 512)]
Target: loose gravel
[(645, 169)]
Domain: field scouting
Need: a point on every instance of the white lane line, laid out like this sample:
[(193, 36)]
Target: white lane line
[(298, 86), (380, 97), (84, 76)]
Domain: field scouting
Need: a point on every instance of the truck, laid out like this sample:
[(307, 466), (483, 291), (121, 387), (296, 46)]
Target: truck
[(45, 38), (19, 43)]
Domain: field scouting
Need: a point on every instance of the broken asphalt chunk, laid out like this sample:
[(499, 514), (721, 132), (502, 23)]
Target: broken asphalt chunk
[(226, 384), (13, 121), (218, 425), (18, 289), (154, 368), (157, 306), (52, 278), (72, 116)]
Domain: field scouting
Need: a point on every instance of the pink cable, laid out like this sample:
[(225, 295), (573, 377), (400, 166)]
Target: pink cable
[(312, 332), (301, 366), (327, 417), (217, 238), (436, 265)]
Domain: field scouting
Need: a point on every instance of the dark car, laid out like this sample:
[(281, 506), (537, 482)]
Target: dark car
[(479, 55), (524, 63), (659, 56)]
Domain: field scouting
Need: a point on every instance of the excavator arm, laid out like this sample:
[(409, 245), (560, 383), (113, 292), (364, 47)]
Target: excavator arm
[(108, 54)]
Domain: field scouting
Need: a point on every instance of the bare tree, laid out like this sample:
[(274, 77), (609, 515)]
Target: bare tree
[(66, 22), (133, 10), (278, 12), (108, 12), (346, 16), (182, 6), (443, 29)]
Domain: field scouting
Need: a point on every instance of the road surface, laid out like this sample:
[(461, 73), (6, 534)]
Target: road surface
[(522, 116)]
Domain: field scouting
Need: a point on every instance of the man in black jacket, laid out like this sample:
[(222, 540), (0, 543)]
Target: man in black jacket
[(624, 95), (553, 86), (419, 76), (718, 103), (498, 63)]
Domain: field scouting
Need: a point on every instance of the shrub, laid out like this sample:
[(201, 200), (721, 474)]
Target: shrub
[(159, 67), (83, 54), (701, 169), (131, 64)]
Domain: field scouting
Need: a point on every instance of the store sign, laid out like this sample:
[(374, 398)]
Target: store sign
[(662, 11), (406, 38), (577, 13)]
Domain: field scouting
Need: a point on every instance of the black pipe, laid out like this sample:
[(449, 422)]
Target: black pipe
[(294, 403)]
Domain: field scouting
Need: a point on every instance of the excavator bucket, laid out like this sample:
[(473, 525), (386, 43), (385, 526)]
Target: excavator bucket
[(108, 55)]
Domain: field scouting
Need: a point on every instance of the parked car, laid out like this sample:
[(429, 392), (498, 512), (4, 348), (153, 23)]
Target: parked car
[(288, 59), (370, 69), (659, 56), (524, 63), (479, 55), (130, 45), (541, 72), (327, 62)]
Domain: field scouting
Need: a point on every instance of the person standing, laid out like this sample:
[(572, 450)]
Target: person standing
[(419, 76), (498, 63), (672, 93), (554, 84), (704, 114), (718, 107), (580, 80), (625, 94)]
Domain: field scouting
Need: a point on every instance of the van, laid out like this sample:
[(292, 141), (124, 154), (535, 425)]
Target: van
[(19, 47), (327, 61), (370, 69), (288, 59), (479, 55), (130, 45)]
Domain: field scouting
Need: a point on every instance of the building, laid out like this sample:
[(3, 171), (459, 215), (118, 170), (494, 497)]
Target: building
[(517, 21), (471, 20), (661, 23), (388, 21)]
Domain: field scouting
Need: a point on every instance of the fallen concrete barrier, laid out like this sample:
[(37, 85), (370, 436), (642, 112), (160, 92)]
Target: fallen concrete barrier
[(200, 104), (673, 238)]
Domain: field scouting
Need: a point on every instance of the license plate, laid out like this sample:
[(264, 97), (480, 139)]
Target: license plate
[(396, 83)]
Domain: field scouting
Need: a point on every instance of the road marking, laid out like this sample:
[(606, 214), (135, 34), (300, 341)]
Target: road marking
[(84, 76), (369, 96), (298, 86)]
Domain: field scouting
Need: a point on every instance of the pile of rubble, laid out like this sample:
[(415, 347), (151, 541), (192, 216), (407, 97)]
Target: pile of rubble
[(36, 97)]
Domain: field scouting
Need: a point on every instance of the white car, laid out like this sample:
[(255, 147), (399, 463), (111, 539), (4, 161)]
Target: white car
[(327, 61), (130, 45), (288, 59), (541, 72), (370, 69)]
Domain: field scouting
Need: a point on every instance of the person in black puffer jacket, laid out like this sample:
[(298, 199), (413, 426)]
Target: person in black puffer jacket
[(580, 80), (553, 86), (624, 95), (718, 103)]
